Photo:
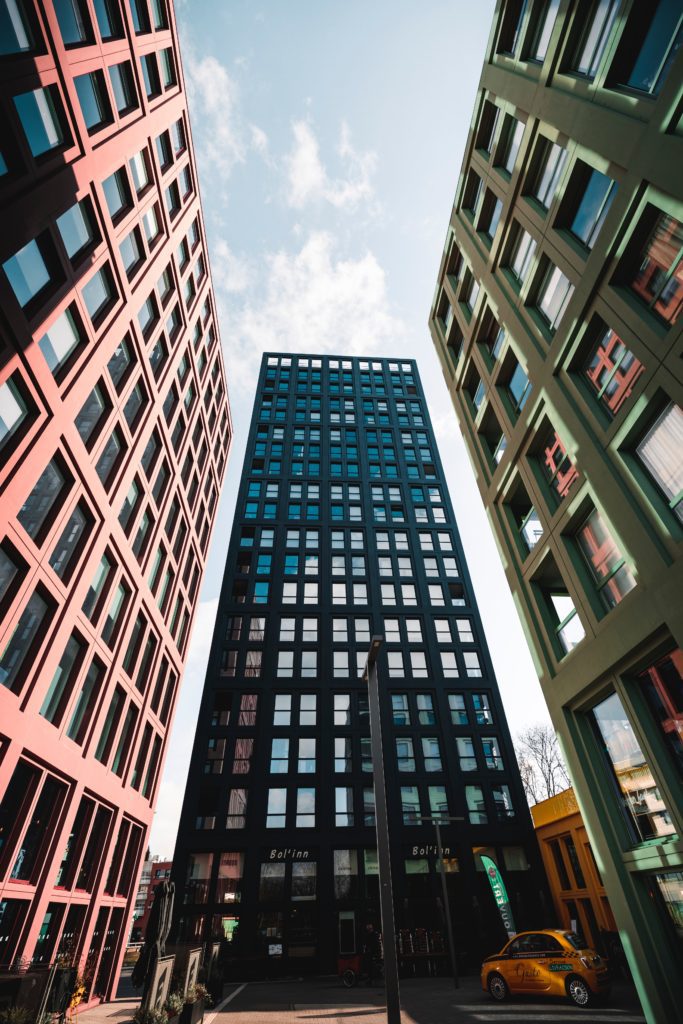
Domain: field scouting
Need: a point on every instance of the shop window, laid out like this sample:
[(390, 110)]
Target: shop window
[(659, 453), (612, 371), (272, 882), (39, 831), (594, 32), (645, 811), (41, 114), (610, 574), (651, 39)]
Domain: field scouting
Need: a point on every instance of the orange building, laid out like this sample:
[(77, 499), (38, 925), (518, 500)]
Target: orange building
[(575, 882)]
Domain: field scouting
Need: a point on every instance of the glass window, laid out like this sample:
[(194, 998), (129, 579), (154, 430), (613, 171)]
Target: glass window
[(545, 22), (658, 277), (466, 754), (568, 626), (50, 486), (612, 370), (123, 87), (92, 96), (659, 452), (13, 411), (22, 640), (15, 31), (502, 802), (645, 810), (150, 75), (27, 272), (305, 808), (70, 542), (138, 10), (594, 38), (607, 565), (76, 228), (410, 805), (482, 709), (550, 172), (108, 18), (116, 193), (651, 40), (456, 704), (554, 295), (167, 67), (476, 808), (557, 466), (513, 132), (522, 254), (405, 755), (598, 192), (431, 753), (40, 113), (139, 171), (98, 293)]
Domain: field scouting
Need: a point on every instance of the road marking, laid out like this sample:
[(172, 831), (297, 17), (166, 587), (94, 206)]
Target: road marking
[(223, 1003), (559, 1016)]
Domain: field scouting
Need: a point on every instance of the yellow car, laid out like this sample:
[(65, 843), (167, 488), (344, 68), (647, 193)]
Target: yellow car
[(550, 963)]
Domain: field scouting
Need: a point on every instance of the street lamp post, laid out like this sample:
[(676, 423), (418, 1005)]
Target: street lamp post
[(436, 821), (386, 899)]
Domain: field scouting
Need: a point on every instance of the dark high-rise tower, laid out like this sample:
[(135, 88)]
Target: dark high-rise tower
[(344, 528)]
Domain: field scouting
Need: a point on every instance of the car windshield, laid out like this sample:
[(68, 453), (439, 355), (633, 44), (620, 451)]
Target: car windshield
[(576, 940)]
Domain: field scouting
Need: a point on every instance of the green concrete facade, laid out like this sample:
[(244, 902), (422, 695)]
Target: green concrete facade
[(633, 136)]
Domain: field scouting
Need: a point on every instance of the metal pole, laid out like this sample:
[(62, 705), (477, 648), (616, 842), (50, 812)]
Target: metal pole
[(446, 906), (386, 900)]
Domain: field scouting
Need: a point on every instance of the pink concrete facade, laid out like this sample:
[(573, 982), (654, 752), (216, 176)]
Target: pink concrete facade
[(115, 429)]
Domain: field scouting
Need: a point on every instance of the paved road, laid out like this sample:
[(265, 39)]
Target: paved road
[(424, 1001)]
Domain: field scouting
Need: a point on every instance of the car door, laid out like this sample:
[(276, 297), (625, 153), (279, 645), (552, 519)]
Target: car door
[(517, 974), (545, 950)]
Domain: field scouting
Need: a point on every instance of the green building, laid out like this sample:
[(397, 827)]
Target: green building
[(558, 320)]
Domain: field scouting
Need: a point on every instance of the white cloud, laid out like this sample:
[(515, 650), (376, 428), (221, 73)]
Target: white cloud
[(308, 180), (222, 137), (172, 787), (230, 273), (312, 300)]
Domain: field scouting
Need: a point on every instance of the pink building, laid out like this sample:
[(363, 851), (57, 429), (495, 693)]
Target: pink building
[(114, 434)]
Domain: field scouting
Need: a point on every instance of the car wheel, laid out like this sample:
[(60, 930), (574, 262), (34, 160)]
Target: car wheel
[(579, 992), (497, 987), (349, 978)]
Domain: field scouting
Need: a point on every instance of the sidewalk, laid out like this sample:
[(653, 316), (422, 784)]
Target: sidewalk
[(423, 1001)]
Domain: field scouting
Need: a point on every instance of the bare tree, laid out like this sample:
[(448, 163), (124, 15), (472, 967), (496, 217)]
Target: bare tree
[(541, 766)]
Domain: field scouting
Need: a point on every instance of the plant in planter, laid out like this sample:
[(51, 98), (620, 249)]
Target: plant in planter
[(174, 1005), (15, 1015), (193, 1011), (202, 993), (149, 1016)]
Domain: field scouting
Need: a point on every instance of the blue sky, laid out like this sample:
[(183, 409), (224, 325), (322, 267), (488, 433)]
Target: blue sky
[(329, 137)]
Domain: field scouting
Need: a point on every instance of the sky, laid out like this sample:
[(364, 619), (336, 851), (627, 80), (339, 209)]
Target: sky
[(329, 136)]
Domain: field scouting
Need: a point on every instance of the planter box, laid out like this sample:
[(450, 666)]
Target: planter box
[(175, 1019), (192, 1013)]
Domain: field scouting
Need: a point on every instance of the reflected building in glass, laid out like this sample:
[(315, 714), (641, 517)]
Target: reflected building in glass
[(114, 434), (558, 319), (344, 529)]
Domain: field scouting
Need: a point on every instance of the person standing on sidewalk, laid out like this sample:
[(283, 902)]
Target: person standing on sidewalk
[(370, 952)]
